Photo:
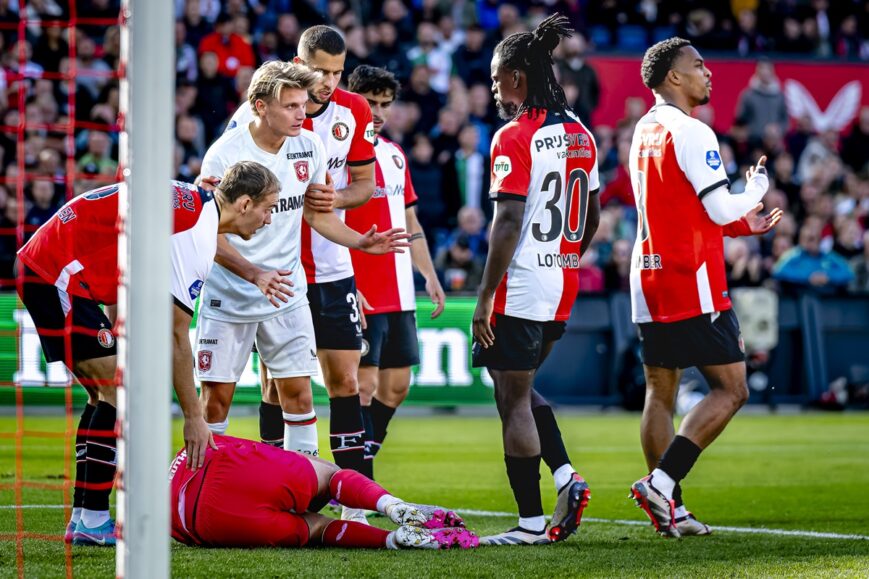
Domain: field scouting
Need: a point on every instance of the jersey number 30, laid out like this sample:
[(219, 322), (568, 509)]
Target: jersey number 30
[(562, 223)]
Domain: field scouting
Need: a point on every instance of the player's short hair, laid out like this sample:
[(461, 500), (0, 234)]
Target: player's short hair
[(321, 37), (248, 178), (274, 76), (371, 79), (659, 59), (531, 52)]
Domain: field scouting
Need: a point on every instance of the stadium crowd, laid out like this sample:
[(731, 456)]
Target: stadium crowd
[(445, 116)]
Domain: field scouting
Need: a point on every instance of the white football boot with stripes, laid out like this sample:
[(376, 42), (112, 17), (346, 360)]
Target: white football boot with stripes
[(516, 536)]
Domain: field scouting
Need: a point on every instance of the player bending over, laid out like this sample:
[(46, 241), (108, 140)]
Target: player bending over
[(679, 293), (386, 281), (251, 494), (70, 270), (545, 185)]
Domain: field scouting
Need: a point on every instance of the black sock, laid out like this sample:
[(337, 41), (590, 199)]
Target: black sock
[(552, 449), (346, 434), (80, 454), (271, 424), (101, 458), (524, 475), (677, 496), (368, 459), (381, 414), (679, 457)]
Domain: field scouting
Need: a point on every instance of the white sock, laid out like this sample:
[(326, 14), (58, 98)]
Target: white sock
[(385, 502), (563, 475), (390, 541), (76, 515), (218, 427), (93, 519), (535, 524), (300, 433), (663, 482), (681, 512)]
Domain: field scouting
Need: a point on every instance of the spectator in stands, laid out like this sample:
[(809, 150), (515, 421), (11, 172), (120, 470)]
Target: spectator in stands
[(44, 206), (91, 72), (232, 49), (573, 69), (617, 271), (591, 276), (216, 98), (860, 266), (763, 103), (855, 147), (98, 159), (288, 33), (462, 269), (50, 49), (472, 226), (471, 60), (428, 52), (807, 268), (467, 172), (389, 54), (790, 38), (849, 238), (421, 93), (185, 55), (744, 267)]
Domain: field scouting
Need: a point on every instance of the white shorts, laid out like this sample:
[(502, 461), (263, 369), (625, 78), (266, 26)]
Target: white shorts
[(285, 343)]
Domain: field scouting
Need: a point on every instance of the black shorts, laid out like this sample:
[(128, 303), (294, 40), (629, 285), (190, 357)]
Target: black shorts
[(519, 344), (337, 325), (52, 309), (391, 340), (697, 341)]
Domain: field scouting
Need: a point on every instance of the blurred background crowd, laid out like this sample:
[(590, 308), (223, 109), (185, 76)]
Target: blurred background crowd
[(445, 118)]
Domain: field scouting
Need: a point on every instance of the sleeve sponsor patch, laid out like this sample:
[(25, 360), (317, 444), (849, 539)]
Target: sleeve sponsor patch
[(713, 159), (194, 289), (369, 132), (502, 166)]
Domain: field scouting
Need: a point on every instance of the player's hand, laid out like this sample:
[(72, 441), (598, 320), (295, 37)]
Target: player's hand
[(363, 305), (481, 325), (760, 224), (752, 171), (275, 285), (321, 197), (197, 439), (436, 293), (208, 183), (390, 241)]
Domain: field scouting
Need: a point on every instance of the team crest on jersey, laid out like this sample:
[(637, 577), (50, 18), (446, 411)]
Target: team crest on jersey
[(106, 338), (66, 215), (340, 131), (399, 162), (203, 360), (713, 159), (302, 173), (502, 166)]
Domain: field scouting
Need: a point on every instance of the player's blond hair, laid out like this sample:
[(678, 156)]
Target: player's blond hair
[(248, 178), (274, 76)]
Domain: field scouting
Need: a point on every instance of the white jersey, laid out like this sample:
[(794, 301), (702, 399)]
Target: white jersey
[(345, 127), (548, 161), (299, 162)]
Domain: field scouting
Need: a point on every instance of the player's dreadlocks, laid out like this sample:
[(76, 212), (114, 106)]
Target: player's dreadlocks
[(531, 52), (658, 60)]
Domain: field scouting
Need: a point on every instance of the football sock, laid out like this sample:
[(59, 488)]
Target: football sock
[(552, 449), (93, 519), (677, 496), (101, 460), (80, 458), (663, 482), (271, 424), (300, 432), (535, 524), (562, 476), (218, 427), (346, 433), (354, 490), (381, 414), (681, 512), (524, 476), (354, 535), (76, 514), (368, 458), (386, 501), (679, 457)]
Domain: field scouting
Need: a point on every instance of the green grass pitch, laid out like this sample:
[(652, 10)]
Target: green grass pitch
[(807, 472)]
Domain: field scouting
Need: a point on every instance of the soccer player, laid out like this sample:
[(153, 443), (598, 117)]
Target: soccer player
[(545, 187), (343, 121), (69, 269), (232, 318), (250, 494), (679, 291), (387, 281)]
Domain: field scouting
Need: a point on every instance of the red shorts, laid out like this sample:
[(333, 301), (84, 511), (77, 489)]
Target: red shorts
[(248, 494)]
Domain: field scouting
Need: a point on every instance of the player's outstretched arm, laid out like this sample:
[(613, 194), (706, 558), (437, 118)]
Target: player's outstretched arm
[(506, 229), (197, 436), (332, 228), (753, 223), (273, 284), (724, 208), (421, 258), (360, 189)]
